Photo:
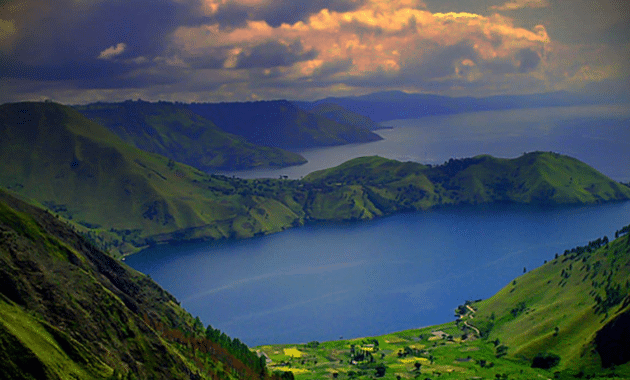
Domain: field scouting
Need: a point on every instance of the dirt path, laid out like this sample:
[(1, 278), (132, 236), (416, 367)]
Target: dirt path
[(472, 327)]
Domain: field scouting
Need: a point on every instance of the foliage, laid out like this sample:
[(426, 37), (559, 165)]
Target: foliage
[(545, 360)]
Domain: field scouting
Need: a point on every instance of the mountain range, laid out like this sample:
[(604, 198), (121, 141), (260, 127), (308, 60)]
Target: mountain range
[(390, 105), (126, 199)]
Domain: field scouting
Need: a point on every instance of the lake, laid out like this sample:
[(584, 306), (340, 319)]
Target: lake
[(408, 270), (360, 279), (581, 132)]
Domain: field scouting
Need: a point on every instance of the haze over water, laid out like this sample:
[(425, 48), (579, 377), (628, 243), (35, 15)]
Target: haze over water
[(408, 270), (597, 135)]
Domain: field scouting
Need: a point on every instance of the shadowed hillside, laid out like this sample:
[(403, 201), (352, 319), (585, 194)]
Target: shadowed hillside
[(281, 124), (174, 131)]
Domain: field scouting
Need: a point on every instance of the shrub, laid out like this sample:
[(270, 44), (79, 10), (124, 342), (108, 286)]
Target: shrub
[(545, 360)]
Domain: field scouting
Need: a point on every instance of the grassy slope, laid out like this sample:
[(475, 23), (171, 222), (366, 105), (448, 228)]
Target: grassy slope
[(70, 311), (174, 131), (551, 298), (562, 294)]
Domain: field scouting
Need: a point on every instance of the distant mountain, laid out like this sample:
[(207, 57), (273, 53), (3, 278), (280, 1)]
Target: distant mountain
[(172, 130), (390, 105), (126, 199), (341, 115), (282, 124), (576, 306), (69, 311)]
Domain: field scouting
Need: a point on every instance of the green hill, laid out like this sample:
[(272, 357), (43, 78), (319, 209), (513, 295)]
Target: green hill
[(69, 311), (576, 306), (373, 186), (342, 115), (172, 130), (126, 199)]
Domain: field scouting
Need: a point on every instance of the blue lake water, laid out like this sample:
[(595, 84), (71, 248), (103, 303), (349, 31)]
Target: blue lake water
[(359, 279), (404, 271)]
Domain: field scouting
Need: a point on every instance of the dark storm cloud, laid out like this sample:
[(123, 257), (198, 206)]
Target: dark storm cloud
[(63, 42), (277, 12), (440, 62), (274, 54), (528, 60)]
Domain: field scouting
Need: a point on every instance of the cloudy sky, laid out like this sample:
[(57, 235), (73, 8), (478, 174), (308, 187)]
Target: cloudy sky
[(78, 51)]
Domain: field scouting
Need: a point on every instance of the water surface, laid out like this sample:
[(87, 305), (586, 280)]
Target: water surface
[(597, 135), (359, 279)]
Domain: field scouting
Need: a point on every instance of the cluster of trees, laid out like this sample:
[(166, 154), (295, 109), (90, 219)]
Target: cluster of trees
[(589, 248), (213, 345), (237, 348), (622, 231)]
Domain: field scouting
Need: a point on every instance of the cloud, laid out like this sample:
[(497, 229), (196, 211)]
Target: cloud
[(7, 28), (113, 51), (235, 13), (273, 54), (520, 4), (242, 49), (528, 60)]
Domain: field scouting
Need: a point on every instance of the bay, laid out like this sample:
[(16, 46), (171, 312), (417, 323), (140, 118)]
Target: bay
[(322, 282)]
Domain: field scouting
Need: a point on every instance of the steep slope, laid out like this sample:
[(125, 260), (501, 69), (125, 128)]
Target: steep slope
[(172, 130), (81, 171), (281, 124), (576, 306), (68, 310)]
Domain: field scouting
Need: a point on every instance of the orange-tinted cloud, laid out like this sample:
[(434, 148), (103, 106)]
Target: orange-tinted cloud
[(391, 38), (519, 4)]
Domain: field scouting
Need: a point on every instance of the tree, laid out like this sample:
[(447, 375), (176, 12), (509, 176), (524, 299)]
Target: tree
[(417, 365), (501, 351), (545, 360), (380, 370)]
